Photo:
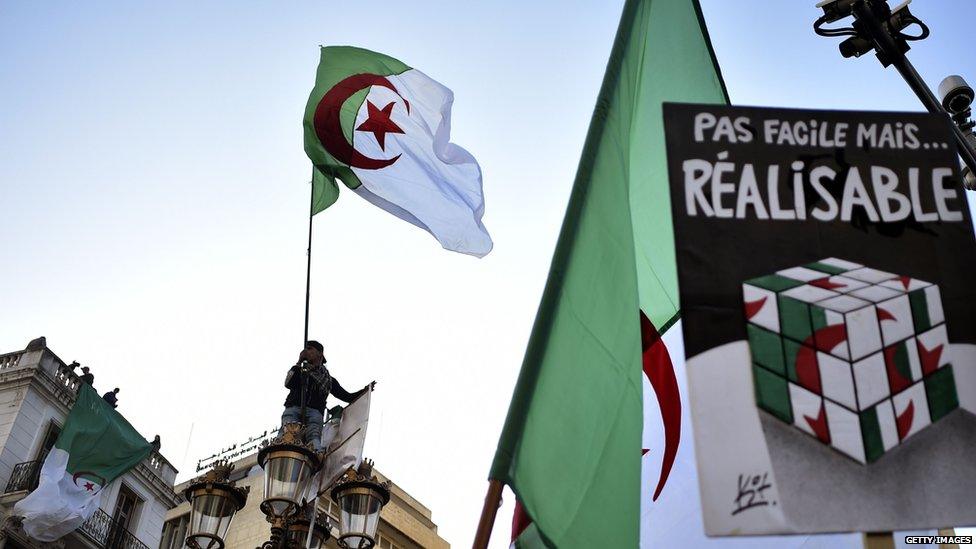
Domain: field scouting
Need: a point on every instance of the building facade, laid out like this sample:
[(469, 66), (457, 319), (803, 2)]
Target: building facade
[(37, 390), (404, 522)]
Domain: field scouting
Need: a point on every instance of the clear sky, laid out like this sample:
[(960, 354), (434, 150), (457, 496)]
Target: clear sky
[(154, 195)]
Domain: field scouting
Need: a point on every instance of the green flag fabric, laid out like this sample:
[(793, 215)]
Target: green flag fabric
[(571, 444), (96, 446)]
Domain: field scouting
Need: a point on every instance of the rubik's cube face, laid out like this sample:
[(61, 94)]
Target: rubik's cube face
[(856, 357)]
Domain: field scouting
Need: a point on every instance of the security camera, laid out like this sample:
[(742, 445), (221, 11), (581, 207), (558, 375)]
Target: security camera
[(956, 94), (835, 10)]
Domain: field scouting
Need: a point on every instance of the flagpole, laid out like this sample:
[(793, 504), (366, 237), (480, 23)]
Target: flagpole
[(493, 500), (308, 270), (308, 293)]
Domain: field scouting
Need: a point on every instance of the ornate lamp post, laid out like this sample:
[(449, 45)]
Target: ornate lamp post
[(360, 497), (213, 502), (289, 464), (298, 529)]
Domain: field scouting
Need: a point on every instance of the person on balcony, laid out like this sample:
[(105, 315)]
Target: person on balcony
[(87, 376), (310, 383), (111, 397)]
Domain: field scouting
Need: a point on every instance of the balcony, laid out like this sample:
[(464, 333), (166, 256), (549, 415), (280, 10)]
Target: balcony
[(24, 477), (106, 532), (101, 529)]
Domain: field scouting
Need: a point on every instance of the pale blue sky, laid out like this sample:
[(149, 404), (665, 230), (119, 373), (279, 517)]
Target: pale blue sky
[(152, 184)]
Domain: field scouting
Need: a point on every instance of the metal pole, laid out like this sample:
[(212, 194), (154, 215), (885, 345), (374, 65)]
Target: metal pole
[(308, 270), (308, 293), (889, 50), (933, 105), (311, 525)]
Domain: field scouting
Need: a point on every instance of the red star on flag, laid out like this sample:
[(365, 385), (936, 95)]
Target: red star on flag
[(378, 122), (90, 487)]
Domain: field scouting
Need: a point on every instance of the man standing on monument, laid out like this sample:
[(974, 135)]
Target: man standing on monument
[(309, 382)]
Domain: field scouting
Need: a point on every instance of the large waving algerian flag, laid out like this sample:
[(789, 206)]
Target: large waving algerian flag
[(96, 446), (384, 128), (573, 446)]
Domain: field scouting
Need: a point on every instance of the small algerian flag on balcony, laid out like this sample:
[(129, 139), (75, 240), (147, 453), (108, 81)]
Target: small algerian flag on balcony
[(384, 128), (96, 446)]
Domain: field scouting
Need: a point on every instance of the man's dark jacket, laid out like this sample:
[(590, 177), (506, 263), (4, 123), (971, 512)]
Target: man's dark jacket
[(318, 383)]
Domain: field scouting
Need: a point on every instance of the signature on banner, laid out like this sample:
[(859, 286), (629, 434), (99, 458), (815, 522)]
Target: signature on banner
[(751, 492)]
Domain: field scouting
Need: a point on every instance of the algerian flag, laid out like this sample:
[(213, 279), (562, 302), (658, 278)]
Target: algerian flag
[(571, 448), (96, 446), (384, 129)]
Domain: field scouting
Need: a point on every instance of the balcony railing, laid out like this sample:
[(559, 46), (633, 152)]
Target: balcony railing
[(108, 533), (100, 528), (24, 476)]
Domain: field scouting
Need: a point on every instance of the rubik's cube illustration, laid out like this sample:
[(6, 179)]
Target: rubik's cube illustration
[(856, 357)]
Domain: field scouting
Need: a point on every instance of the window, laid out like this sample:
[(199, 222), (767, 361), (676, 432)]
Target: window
[(126, 507), (53, 430), (383, 542), (174, 532)]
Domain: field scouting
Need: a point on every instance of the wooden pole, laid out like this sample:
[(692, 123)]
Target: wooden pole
[(948, 532), (879, 540), (493, 500)]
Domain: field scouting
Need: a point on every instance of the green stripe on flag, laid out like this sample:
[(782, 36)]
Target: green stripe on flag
[(570, 447), (336, 64)]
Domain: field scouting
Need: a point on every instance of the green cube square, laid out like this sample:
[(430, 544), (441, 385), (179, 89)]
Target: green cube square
[(824, 268), (794, 319), (871, 434), (766, 348), (774, 283), (940, 390), (794, 352), (772, 393)]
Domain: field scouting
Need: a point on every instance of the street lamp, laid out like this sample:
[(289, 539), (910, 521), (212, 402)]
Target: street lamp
[(879, 28), (288, 465), (361, 497), (298, 529), (213, 502)]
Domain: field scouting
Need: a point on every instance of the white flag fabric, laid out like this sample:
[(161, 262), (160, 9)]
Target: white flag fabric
[(434, 184), (59, 504), (344, 440)]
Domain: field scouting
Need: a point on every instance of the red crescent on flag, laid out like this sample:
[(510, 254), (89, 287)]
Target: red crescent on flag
[(660, 372), (328, 127), (99, 478)]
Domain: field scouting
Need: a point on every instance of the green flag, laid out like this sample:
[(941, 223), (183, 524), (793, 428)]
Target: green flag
[(571, 445), (96, 446)]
